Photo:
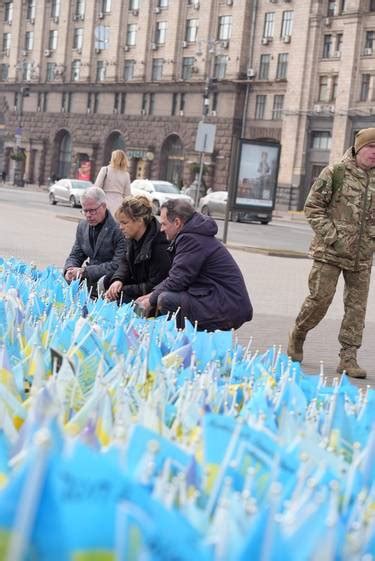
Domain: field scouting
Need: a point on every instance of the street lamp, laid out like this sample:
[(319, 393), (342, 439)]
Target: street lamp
[(19, 156)]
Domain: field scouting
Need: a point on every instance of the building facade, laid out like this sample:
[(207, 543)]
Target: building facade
[(79, 78)]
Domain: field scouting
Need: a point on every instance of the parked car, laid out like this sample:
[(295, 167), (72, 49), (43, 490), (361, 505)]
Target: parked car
[(67, 191), (159, 191), (214, 204)]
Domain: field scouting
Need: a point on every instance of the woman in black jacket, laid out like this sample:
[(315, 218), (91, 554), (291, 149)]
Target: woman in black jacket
[(147, 261)]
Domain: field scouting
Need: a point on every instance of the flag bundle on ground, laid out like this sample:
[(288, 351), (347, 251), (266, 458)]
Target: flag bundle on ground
[(125, 438)]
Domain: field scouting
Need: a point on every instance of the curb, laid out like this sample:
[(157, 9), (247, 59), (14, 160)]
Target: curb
[(272, 252)]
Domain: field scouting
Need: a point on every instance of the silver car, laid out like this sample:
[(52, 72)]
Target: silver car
[(68, 191), (214, 204)]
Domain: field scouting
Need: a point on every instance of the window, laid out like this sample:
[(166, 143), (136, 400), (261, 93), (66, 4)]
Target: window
[(163, 3), (51, 67), (160, 32), (76, 67), (105, 6), (30, 9), (133, 4), (80, 8), (224, 30), (331, 11), (182, 102), (260, 106), (66, 102), (27, 69), (372, 6), (157, 69), (144, 104), (187, 66), (323, 88), (278, 104), (131, 33), (100, 70), (101, 37), (174, 104), (327, 46), (264, 67), (122, 102), (287, 23), (78, 38), (370, 38), (220, 67), (334, 85), (29, 40), (339, 38), (55, 8), (342, 7), (151, 107), (321, 140), (129, 66), (52, 40), (96, 103), (191, 30), (268, 24), (6, 41), (365, 87), (8, 11), (4, 72), (282, 66)]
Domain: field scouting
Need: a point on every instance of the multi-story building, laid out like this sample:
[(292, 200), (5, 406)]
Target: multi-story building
[(79, 78)]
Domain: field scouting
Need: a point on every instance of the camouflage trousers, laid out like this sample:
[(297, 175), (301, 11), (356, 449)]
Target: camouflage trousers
[(322, 286)]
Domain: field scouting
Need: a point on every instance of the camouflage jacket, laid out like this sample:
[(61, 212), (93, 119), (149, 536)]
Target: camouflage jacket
[(342, 215)]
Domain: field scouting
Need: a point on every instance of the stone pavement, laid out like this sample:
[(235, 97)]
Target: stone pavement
[(278, 286), (277, 283)]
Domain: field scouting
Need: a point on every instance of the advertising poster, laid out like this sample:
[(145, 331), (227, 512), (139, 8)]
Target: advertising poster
[(257, 174)]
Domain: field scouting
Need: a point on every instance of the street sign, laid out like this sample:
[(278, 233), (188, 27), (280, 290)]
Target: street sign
[(205, 140)]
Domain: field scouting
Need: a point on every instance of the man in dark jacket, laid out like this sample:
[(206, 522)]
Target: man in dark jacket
[(204, 283), (99, 246), (341, 210)]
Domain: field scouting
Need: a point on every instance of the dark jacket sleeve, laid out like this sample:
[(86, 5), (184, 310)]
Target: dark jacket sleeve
[(76, 256), (159, 266), (123, 273), (187, 263), (95, 271)]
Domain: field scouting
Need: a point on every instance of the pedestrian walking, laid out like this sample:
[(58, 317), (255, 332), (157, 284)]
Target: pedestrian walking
[(3, 176), (114, 179), (341, 210)]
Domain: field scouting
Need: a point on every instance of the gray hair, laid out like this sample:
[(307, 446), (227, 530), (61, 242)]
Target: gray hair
[(178, 208), (95, 193)]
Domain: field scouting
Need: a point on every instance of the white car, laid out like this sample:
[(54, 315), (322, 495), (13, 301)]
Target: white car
[(68, 191), (158, 191)]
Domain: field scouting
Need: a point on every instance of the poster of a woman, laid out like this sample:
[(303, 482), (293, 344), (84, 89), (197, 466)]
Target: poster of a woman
[(257, 174)]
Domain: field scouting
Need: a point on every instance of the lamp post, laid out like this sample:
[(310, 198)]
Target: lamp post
[(19, 156), (210, 86)]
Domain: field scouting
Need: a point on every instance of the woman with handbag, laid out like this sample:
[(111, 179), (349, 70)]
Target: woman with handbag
[(114, 179)]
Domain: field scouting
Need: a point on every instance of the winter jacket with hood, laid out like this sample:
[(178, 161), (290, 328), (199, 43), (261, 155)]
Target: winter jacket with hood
[(210, 282), (342, 215)]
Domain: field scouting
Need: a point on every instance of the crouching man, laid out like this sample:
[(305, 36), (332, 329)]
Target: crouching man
[(204, 283), (99, 246)]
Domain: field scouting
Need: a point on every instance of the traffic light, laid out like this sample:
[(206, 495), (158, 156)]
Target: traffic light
[(25, 91)]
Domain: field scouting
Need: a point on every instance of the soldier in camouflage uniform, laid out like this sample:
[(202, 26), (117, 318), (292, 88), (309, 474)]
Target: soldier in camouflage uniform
[(341, 210)]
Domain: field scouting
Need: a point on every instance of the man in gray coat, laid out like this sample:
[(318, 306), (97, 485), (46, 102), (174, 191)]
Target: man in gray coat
[(99, 246)]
